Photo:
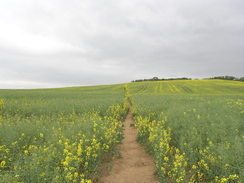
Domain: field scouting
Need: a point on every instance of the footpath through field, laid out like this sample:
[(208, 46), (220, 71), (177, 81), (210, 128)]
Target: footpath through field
[(134, 165)]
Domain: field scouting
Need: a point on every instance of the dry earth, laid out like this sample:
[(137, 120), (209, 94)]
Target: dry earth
[(134, 165)]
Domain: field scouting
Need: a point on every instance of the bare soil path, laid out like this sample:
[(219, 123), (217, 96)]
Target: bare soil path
[(134, 165)]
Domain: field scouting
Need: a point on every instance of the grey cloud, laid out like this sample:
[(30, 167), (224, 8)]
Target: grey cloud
[(64, 43)]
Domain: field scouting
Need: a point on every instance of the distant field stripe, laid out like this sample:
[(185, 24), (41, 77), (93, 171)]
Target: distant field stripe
[(173, 88), (161, 90), (187, 89)]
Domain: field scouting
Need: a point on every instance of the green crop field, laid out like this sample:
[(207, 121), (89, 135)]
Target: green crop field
[(58, 135), (194, 129)]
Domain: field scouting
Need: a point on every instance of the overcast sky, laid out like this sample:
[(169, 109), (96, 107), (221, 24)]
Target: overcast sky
[(55, 43)]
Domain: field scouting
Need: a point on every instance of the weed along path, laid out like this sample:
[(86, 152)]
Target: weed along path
[(134, 165)]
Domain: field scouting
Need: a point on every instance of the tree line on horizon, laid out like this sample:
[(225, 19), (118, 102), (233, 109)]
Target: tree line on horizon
[(233, 78)]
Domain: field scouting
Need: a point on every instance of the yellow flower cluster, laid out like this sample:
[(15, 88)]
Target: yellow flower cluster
[(171, 163), (2, 102), (2, 164), (74, 158), (81, 158), (231, 178)]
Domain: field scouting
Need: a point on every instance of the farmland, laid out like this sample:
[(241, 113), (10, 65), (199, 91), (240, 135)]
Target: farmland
[(193, 129), (58, 135)]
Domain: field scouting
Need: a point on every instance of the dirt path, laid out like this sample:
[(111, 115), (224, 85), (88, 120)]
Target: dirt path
[(135, 165)]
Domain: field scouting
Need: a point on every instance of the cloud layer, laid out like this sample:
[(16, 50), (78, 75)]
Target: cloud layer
[(53, 43)]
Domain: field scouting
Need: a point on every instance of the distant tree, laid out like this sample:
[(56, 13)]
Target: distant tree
[(241, 79), (162, 79), (229, 77), (155, 79), (225, 77)]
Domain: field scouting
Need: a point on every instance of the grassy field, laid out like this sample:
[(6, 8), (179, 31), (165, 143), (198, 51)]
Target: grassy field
[(194, 129), (58, 135)]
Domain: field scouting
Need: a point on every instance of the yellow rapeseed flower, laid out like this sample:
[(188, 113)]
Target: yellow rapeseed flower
[(2, 164)]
